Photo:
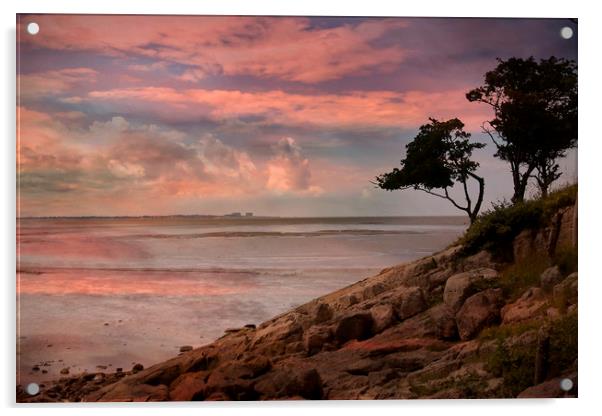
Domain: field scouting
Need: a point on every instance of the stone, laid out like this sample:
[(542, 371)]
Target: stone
[(289, 382), (189, 387), (529, 305), (478, 312), (445, 321), (354, 326), (322, 312), (315, 338), (185, 348), (233, 380), (373, 290), (250, 326), (383, 316), (410, 301), (65, 370), (462, 285), (137, 368), (550, 389), (550, 277)]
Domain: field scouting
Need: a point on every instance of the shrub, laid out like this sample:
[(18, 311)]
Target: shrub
[(495, 229)]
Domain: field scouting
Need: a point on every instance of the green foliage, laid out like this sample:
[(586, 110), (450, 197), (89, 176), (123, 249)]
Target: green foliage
[(495, 229), (521, 275), (436, 158), (566, 258), (515, 365), (563, 344), (503, 332), (535, 116)]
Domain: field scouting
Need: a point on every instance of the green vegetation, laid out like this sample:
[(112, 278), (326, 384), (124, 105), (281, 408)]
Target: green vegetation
[(563, 344), (516, 363), (566, 259), (521, 275), (495, 230)]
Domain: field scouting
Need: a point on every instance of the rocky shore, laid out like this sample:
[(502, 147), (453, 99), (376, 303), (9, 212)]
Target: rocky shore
[(451, 325)]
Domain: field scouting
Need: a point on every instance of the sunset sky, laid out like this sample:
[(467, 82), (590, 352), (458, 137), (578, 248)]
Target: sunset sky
[(291, 116)]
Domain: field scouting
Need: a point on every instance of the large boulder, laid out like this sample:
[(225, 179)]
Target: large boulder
[(290, 382), (409, 302), (529, 305), (354, 326), (316, 337), (383, 316), (550, 277), (321, 312), (462, 285), (479, 311), (189, 387), (445, 322)]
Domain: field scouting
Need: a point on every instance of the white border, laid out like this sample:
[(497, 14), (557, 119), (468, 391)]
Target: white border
[(590, 154)]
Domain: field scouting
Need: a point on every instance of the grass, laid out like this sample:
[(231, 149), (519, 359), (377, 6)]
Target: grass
[(516, 365), (496, 228), (566, 259), (522, 274)]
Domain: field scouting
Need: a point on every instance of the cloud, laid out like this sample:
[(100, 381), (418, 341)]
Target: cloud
[(289, 48), (289, 169), (56, 82), (353, 108)]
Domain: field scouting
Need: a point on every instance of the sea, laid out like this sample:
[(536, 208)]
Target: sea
[(97, 294)]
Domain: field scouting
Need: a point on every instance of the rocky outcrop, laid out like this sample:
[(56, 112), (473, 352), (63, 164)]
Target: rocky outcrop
[(440, 327)]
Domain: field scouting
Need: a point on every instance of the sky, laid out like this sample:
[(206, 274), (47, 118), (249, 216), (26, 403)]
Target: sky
[(286, 116)]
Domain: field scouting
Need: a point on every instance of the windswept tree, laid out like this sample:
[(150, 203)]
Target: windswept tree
[(535, 117), (437, 158)]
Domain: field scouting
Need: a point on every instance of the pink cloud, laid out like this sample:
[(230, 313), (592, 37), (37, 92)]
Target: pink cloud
[(287, 47), (355, 108), (41, 84), (289, 169)]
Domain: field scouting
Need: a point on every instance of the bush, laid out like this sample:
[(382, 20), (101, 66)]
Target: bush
[(522, 274), (495, 229)]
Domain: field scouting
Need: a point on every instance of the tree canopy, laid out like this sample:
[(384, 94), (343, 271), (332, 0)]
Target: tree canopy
[(535, 117), (436, 159)]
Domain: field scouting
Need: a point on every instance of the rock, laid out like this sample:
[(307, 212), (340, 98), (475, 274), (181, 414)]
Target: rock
[(354, 326), (373, 290), (162, 374), (462, 285), (137, 368), (119, 370), (98, 377), (185, 348), (550, 389), (483, 259), (35, 368), (65, 370), (410, 301), (315, 338), (250, 326), (479, 311), (364, 366), (550, 277), (349, 300), (288, 382), (322, 312), (445, 321), (528, 306), (233, 380), (383, 316), (131, 393), (189, 387)]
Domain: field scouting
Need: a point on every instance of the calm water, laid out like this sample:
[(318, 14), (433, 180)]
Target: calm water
[(111, 292)]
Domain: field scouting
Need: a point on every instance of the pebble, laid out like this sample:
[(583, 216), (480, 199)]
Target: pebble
[(185, 348)]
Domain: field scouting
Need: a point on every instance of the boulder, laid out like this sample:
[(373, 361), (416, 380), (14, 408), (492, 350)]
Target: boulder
[(550, 277), (290, 382), (529, 305), (354, 326), (321, 312), (373, 290), (445, 321), (189, 387), (233, 380), (315, 338), (409, 302), (462, 285), (479, 311), (383, 316), (550, 389)]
